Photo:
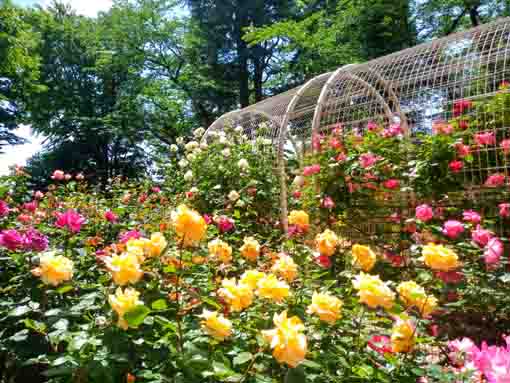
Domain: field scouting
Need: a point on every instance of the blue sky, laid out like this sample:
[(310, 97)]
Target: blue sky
[(18, 155)]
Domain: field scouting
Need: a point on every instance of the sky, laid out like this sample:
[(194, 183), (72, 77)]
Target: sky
[(19, 154)]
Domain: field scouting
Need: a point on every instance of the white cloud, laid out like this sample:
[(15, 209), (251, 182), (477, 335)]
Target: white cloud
[(85, 7), (19, 154)]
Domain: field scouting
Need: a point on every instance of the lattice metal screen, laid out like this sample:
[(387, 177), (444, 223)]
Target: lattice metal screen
[(416, 88)]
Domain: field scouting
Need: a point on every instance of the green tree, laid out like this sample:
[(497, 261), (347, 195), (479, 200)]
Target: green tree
[(19, 69)]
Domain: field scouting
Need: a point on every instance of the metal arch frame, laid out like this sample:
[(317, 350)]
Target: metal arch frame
[(324, 93), (281, 141), (213, 125)]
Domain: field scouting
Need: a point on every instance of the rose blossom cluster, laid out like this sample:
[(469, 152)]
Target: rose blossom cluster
[(30, 240)]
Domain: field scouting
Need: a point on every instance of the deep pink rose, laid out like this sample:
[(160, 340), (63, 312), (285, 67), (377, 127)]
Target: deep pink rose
[(207, 219), (225, 224), (485, 138), (70, 219), (11, 239), (493, 252), (380, 344), (505, 145), (495, 180), (452, 277), (372, 126), (311, 170), (452, 228), (367, 159), (393, 131), (4, 208), (30, 206), (504, 210), (471, 216), (131, 234), (391, 184), (463, 124), (481, 236), (456, 166), (110, 216), (424, 213), (35, 240), (461, 106)]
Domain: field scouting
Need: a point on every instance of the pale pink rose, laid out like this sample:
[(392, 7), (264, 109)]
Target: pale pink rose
[(328, 203), (393, 131), (456, 166), (58, 175), (481, 236), (38, 194), (442, 127), (485, 138), (316, 142), (452, 228), (424, 213), (495, 180), (459, 348), (471, 216), (67, 177), (462, 150), (311, 170), (80, 177)]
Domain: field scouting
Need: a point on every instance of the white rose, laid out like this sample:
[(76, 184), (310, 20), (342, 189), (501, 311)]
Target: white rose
[(183, 163), (191, 157), (299, 181), (203, 145), (267, 141), (180, 140), (174, 148), (240, 203), (188, 176), (243, 164), (226, 152), (223, 139), (192, 145), (217, 187), (239, 129), (233, 196), (194, 189), (199, 132)]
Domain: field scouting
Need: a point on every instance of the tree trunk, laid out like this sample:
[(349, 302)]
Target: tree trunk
[(474, 16), (242, 54)]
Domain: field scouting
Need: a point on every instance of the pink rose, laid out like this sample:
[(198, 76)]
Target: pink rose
[(442, 127), (372, 126), (495, 180), (485, 138), (481, 236), (456, 166), (80, 177), (504, 210), (30, 206), (460, 106), (391, 184), (11, 239), (207, 219), (463, 124), (316, 142), (504, 85), (35, 240), (110, 216), (380, 344), (328, 203), (367, 159), (24, 218), (471, 216), (505, 145), (4, 208), (393, 131), (70, 219), (67, 177), (296, 194), (462, 150), (341, 157), (335, 143), (131, 234), (156, 189), (493, 252), (58, 175), (225, 224), (452, 229), (424, 213), (38, 195), (311, 170)]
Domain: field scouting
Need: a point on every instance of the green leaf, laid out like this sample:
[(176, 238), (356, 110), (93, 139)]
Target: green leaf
[(136, 316), (160, 304), (295, 375), (65, 289), (242, 358), (211, 302), (19, 311)]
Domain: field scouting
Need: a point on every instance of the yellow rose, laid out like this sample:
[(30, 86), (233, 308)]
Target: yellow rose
[(138, 247), (54, 269), (123, 302), (413, 294), (326, 306), (299, 218), (220, 250), (285, 267), (216, 325), (156, 245), (287, 340), (440, 258), (326, 243), (189, 225), (271, 288), (373, 292), (238, 296), (402, 336), (363, 257), (250, 249), (251, 278), (125, 268)]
